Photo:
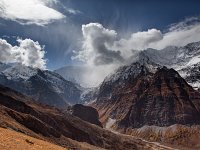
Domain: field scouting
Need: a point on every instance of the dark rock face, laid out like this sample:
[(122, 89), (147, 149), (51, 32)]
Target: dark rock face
[(168, 100), (118, 91), (162, 98), (86, 113)]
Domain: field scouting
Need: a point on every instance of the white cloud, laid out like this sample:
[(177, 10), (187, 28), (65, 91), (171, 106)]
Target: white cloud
[(103, 46), (138, 41), (141, 40), (104, 50), (96, 45), (30, 11), (28, 53), (180, 34)]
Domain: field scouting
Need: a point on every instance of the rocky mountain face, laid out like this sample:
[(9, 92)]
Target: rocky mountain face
[(42, 85), (108, 100), (153, 102), (167, 100), (185, 60), (23, 115), (86, 113), (137, 95)]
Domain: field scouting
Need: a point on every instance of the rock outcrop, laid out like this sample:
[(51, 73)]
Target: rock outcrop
[(86, 113)]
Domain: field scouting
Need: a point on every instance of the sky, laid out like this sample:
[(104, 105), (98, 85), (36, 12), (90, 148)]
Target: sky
[(49, 34)]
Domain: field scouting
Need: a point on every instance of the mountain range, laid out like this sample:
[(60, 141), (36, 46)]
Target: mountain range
[(142, 97), (161, 98), (19, 113), (156, 98), (42, 85), (184, 59)]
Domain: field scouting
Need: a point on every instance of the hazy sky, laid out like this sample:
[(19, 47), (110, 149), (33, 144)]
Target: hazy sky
[(94, 32)]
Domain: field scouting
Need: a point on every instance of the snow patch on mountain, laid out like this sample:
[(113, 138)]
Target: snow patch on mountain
[(186, 60), (42, 85), (110, 123), (17, 71)]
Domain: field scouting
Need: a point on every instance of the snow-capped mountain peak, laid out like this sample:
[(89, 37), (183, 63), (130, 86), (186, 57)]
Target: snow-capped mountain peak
[(42, 85), (18, 71), (183, 59)]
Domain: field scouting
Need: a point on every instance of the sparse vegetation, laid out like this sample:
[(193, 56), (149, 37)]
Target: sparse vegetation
[(12, 140)]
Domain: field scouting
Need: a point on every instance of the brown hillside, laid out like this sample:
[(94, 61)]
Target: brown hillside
[(55, 126), (12, 140)]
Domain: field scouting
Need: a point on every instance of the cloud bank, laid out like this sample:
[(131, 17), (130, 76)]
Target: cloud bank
[(103, 46), (28, 53), (104, 49), (180, 34), (37, 12)]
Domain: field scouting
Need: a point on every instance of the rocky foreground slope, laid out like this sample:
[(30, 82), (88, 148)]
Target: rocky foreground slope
[(44, 122), (12, 140)]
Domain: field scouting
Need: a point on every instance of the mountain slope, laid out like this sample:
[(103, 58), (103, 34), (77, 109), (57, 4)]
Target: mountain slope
[(143, 98), (42, 85), (11, 140), (55, 126), (185, 60), (168, 100), (147, 100)]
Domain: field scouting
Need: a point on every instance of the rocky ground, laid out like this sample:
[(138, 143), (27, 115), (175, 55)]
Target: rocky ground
[(50, 124)]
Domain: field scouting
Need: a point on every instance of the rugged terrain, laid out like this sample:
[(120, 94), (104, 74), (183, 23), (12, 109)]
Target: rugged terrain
[(42, 85), (162, 98), (143, 99), (50, 124), (143, 94), (187, 137), (184, 59)]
